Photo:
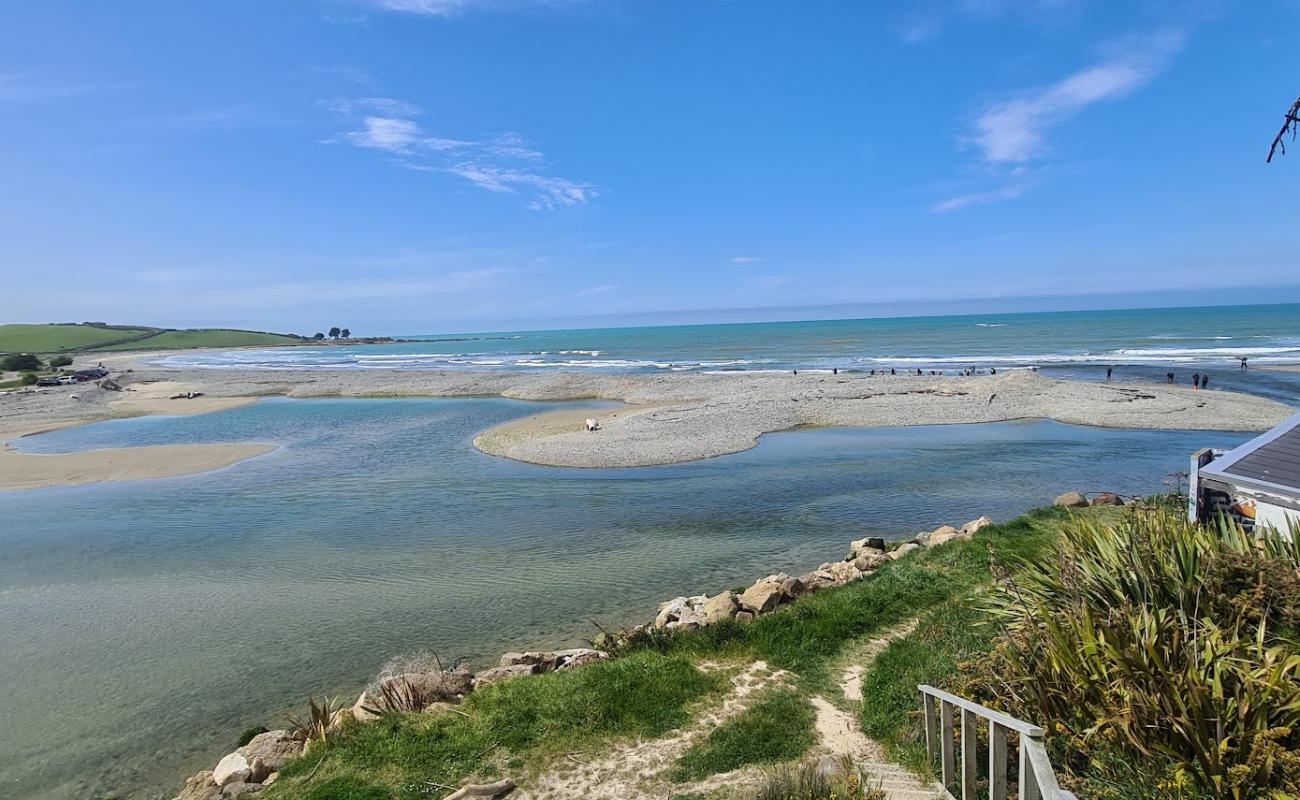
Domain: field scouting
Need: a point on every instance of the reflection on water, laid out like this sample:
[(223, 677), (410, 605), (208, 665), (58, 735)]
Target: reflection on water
[(144, 624)]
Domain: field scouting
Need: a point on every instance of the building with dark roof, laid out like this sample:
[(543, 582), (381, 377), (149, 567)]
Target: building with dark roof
[(1257, 484)]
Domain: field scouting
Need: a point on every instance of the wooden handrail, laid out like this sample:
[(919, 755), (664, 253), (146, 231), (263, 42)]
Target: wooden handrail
[(1037, 779)]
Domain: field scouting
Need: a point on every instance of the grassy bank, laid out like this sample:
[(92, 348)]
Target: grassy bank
[(522, 728)]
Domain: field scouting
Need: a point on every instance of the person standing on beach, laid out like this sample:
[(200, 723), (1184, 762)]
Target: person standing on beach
[(1169, 377), (1243, 363), (1108, 370), (1205, 380), (1196, 380)]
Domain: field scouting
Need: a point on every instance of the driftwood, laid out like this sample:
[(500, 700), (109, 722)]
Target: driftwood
[(498, 789), (1290, 123)]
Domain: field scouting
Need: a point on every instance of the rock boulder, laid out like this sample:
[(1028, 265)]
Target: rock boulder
[(975, 526), (869, 560), (268, 752), (234, 768), (719, 607), (943, 535), (200, 787), (1106, 499), (1070, 500), (763, 596), (498, 674)]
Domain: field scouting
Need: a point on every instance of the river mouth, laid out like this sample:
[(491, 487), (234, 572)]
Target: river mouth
[(146, 623)]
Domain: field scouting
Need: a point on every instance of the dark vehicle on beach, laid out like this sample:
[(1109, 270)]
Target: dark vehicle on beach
[(48, 381)]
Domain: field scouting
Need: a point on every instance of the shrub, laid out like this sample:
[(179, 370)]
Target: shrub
[(60, 361), (20, 362), (809, 782), (315, 726), (29, 378), (1160, 638)]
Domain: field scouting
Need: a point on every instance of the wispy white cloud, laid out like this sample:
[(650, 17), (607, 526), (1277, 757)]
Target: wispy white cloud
[(503, 163), (1015, 130), (980, 198), (743, 260), (593, 291), (450, 8), (29, 87), (924, 20)]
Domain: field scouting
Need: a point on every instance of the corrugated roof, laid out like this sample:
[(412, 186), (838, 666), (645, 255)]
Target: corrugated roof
[(1273, 457)]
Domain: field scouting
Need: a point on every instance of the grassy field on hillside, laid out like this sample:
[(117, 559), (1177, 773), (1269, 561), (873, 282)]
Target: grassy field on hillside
[(97, 338), (204, 337), (53, 338)]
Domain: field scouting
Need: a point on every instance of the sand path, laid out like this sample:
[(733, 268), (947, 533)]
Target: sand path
[(639, 771)]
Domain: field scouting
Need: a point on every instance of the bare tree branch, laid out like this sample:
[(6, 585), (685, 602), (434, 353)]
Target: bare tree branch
[(1290, 123)]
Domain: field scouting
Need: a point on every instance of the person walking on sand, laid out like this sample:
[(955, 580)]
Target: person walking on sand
[(1196, 380), (1108, 371), (1205, 380), (1243, 363), (1169, 377)]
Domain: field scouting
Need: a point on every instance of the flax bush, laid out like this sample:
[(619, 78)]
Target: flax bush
[(1163, 639)]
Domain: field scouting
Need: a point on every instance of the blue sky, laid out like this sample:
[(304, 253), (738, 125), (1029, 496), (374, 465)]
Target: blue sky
[(431, 165)]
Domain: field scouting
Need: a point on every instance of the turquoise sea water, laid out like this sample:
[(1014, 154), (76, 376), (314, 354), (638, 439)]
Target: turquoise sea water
[(1137, 343), (146, 623)]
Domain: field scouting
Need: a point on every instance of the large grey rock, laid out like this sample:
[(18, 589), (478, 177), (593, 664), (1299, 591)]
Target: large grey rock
[(975, 526), (268, 752), (763, 596), (688, 620), (234, 791), (943, 535), (551, 660), (820, 579), (1070, 500), (867, 543), (719, 607), (869, 560), (904, 549), (579, 656), (234, 768), (200, 787), (1106, 499), (792, 588), (670, 611), (922, 538), (498, 674)]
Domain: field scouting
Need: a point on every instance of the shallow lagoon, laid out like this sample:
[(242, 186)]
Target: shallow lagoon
[(146, 623)]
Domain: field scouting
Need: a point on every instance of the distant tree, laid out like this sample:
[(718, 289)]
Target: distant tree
[(318, 336), (1290, 124), (60, 361), (20, 362), (29, 378), (346, 334), (334, 332)]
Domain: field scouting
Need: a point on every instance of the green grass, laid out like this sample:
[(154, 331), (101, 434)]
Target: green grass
[(529, 719), (806, 636), (948, 635), (94, 338), (777, 726), (52, 338)]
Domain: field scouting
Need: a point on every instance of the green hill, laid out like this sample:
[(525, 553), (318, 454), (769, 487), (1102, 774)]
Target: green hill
[(64, 338)]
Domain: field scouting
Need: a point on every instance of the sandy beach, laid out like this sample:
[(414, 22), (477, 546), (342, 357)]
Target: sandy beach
[(66, 407), (669, 418)]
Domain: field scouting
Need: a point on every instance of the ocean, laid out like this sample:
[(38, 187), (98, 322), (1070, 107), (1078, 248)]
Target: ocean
[(1138, 344), (146, 623)]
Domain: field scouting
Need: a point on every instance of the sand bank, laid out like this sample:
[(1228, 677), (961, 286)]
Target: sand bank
[(38, 470), (30, 414), (677, 417)]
